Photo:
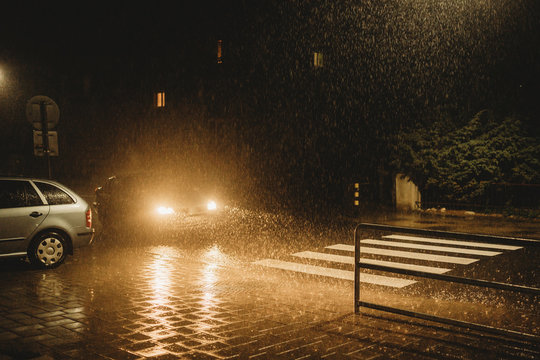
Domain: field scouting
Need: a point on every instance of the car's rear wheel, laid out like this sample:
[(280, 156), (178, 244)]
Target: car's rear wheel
[(47, 250)]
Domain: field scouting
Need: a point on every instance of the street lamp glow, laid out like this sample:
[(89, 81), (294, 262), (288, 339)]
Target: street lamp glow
[(4, 81)]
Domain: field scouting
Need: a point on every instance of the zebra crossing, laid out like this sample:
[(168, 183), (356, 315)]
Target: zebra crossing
[(431, 255)]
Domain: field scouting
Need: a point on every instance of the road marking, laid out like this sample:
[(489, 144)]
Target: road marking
[(350, 260), (405, 254), (335, 273), (430, 247), (453, 242)]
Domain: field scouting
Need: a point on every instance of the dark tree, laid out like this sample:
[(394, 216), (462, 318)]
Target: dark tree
[(461, 164)]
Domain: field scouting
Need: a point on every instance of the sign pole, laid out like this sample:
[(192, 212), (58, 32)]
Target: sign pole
[(43, 113), (45, 135)]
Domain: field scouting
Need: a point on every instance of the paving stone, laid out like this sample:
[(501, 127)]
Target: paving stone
[(39, 337), (8, 324), (182, 323), (80, 316), (19, 317), (58, 322), (115, 329), (128, 317), (374, 352), (72, 310), (190, 343), (134, 326), (8, 335), (177, 348), (212, 347), (152, 352), (238, 340), (196, 355), (172, 339), (114, 353), (120, 343), (203, 337), (155, 328), (133, 347), (21, 350), (192, 317), (27, 328), (137, 337), (334, 356), (50, 314), (185, 330), (166, 356), (404, 355)]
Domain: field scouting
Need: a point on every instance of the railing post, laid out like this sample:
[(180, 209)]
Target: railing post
[(356, 271)]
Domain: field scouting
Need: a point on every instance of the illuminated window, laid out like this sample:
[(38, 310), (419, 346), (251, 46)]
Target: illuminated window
[(317, 59), (160, 99), (219, 52)]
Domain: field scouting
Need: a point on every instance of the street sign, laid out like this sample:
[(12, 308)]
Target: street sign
[(39, 148), (43, 113), (34, 115)]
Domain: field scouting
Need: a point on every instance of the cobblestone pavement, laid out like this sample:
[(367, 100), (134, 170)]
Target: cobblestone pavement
[(178, 301)]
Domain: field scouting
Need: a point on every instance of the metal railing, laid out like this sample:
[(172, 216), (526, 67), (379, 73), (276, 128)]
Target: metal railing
[(449, 278)]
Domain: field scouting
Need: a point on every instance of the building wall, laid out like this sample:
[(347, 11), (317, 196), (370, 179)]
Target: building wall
[(407, 193)]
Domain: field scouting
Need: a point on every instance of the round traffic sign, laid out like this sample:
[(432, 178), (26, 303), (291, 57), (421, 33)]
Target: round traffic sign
[(34, 107)]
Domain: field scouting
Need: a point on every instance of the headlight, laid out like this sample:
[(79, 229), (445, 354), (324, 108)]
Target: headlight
[(163, 210), (211, 205)]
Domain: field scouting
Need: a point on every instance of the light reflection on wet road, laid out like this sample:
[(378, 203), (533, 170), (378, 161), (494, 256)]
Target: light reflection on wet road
[(196, 290), (223, 250)]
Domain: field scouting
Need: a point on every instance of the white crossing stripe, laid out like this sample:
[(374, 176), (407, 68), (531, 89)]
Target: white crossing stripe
[(453, 242), (335, 273), (430, 247), (350, 260), (405, 254)]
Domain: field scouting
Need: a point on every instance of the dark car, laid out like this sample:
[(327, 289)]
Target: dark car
[(142, 199), (42, 220)]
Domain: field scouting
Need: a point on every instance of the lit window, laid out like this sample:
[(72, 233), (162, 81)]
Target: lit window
[(160, 99), (317, 59), (219, 52)]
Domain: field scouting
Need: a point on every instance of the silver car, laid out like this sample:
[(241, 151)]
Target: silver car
[(43, 220)]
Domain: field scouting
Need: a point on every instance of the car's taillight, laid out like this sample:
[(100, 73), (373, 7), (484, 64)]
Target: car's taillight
[(89, 218)]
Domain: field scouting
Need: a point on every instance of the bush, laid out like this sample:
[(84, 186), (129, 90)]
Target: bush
[(459, 164)]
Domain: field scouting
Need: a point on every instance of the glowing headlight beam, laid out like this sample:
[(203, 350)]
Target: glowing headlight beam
[(162, 210), (211, 205)]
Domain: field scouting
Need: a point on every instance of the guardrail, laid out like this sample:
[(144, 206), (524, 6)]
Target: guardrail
[(449, 278)]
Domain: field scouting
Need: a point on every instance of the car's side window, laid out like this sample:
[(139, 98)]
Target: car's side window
[(32, 197), (54, 195), (15, 193)]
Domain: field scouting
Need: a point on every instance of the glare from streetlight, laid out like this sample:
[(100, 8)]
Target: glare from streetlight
[(3, 79)]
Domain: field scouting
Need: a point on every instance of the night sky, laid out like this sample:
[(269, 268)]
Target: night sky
[(457, 45), (60, 30), (56, 48)]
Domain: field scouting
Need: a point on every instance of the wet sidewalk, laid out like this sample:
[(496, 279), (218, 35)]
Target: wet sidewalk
[(159, 302), (454, 220)]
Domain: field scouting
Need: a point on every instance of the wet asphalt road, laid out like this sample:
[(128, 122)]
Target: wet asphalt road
[(193, 291)]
